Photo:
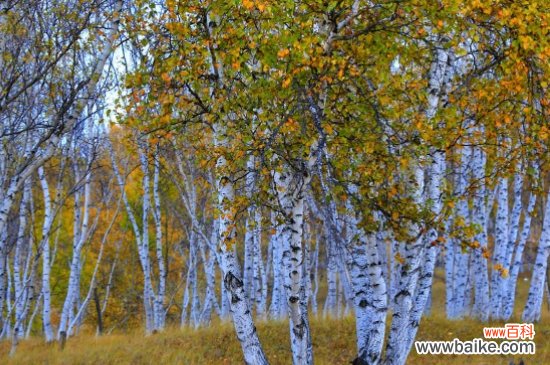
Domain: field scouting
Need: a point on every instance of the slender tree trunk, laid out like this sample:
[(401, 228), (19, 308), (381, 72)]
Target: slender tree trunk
[(315, 274), (276, 309), (21, 262), (141, 235), (462, 256), (451, 259), (80, 236), (143, 249), (185, 299), (210, 295), (98, 312), (509, 301), (532, 310), (260, 283), (501, 243), (160, 312), (481, 281), (3, 274), (46, 264), (332, 274)]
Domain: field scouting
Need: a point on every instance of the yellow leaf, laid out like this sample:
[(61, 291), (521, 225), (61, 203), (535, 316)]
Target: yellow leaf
[(248, 4), (286, 82), (291, 125), (399, 258), (395, 216)]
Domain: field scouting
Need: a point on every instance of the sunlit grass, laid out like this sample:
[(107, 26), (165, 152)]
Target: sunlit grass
[(333, 340)]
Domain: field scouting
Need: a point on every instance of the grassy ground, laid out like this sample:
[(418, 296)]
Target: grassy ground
[(333, 339)]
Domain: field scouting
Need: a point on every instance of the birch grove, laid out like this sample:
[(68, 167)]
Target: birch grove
[(176, 163)]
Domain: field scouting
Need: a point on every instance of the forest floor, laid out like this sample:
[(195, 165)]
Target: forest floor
[(333, 341)]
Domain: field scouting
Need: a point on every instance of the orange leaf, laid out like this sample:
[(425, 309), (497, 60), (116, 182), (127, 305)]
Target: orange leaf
[(283, 53), (248, 4)]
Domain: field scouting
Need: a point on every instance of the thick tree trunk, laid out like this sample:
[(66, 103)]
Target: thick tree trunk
[(232, 277), (431, 247), (290, 191), (370, 299), (409, 272)]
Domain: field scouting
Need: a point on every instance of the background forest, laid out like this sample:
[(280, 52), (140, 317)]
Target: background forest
[(354, 169)]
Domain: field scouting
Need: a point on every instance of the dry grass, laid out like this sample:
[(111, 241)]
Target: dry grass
[(333, 339)]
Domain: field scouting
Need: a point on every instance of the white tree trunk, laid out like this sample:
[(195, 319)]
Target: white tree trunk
[(509, 301), (513, 229), (500, 250), (260, 279), (143, 247), (185, 299), (21, 262), (425, 280), (232, 278), (460, 305), (481, 281), (290, 188), (277, 309), (315, 274), (141, 236), (159, 310), (396, 349), (329, 308), (532, 310), (81, 235), (46, 264)]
